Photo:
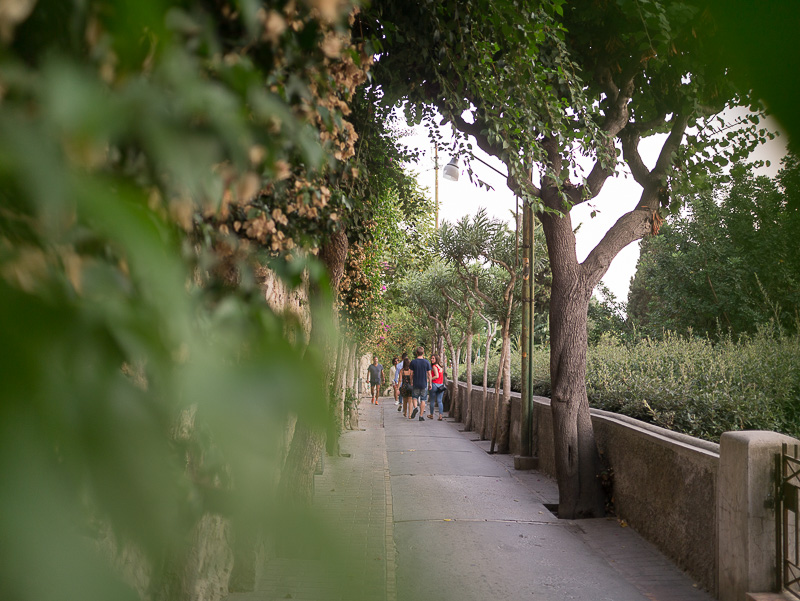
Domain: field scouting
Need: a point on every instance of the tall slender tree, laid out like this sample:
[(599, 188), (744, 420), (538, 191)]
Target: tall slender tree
[(484, 254)]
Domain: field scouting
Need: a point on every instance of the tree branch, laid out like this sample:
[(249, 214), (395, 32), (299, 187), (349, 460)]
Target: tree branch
[(670, 146), (646, 127), (475, 130), (630, 152), (632, 226)]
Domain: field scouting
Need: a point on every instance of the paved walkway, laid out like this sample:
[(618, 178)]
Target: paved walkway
[(424, 513)]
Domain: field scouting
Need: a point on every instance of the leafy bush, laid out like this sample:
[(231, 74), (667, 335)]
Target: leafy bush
[(689, 385), (699, 388), (541, 371)]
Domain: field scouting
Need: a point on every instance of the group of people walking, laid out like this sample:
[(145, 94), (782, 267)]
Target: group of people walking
[(413, 383)]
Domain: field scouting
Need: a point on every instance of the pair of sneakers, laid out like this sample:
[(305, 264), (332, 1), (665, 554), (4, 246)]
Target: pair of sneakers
[(414, 414)]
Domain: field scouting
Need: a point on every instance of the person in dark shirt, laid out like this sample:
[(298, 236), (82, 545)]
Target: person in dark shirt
[(422, 382)]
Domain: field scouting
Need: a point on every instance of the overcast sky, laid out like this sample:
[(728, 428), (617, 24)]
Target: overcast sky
[(619, 195)]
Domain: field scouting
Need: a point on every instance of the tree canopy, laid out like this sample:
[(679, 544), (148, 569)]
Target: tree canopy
[(726, 265)]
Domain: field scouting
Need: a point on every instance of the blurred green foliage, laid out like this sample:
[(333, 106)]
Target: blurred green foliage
[(141, 389)]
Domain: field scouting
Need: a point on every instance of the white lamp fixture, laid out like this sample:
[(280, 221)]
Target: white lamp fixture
[(450, 171)]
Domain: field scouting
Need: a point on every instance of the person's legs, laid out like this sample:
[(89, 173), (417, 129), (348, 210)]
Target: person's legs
[(439, 396), (413, 407), (422, 398)]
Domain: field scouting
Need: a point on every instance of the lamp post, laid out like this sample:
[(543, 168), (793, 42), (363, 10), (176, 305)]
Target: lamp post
[(436, 182), (529, 443)]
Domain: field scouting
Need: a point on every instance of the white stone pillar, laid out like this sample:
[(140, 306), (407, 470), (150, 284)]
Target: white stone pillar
[(746, 512)]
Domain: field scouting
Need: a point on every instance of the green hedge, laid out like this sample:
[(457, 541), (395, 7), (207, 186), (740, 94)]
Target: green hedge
[(541, 371), (690, 385)]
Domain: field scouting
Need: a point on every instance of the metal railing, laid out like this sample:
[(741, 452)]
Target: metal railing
[(787, 524)]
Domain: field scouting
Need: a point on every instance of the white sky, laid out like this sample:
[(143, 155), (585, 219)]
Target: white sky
[(618, 196)]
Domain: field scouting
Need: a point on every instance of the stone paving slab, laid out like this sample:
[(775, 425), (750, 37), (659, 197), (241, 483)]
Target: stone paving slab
[(479, 561), (456, 497), (415, 462), (422, 441), (638, 561)]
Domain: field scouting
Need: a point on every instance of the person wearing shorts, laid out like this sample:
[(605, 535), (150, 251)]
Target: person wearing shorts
[(406, 385), (375, 375), (421, 383)]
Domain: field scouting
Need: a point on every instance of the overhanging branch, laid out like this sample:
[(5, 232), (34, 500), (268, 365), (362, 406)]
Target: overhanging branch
[(670, 146)]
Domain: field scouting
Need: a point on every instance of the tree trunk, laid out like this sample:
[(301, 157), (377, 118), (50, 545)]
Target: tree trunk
[(455, 410), (498, 384), (504, 439), (452, 369), (297, 479), (336, 401), (576, 457), (502, 415), (489, 336), (353, 382), (468, 396)]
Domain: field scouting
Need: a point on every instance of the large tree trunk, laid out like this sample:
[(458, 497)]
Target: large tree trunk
[(576, 457)]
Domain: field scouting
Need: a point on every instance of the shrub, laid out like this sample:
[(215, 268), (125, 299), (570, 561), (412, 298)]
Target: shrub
[(689, 385), (699, 388), (541, 371)]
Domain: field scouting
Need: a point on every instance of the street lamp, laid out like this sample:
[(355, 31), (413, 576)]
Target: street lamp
[(450, 171)]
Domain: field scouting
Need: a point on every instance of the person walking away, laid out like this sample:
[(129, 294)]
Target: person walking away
[(375, 375), (437, 387), (422, 382), (393, 378), (407, 385), (402, 406)]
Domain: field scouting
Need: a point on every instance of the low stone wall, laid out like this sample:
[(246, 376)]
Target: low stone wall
[(664, 483)]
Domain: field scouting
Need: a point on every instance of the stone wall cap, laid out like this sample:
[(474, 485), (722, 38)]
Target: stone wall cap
[(758, 436)]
